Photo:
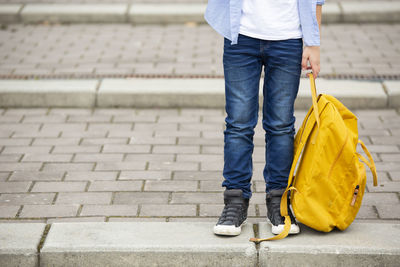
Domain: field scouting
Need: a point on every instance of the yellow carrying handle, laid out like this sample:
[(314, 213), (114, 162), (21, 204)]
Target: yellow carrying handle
[(314, 102), (284, 203), (370, 163)]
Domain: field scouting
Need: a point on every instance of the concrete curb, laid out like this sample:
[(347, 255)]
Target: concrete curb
[(362, 244), (192, 244), (19, 242), (354, 12), (172, 93)]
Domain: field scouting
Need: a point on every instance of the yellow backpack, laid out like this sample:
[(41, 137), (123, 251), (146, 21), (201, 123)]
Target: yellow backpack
[(329, 184)]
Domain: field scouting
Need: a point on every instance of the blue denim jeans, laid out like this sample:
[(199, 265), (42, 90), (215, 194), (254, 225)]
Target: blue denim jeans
[(243, 63)]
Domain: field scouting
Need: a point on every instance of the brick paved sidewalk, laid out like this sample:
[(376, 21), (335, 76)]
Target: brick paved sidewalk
[(105, 50), (151, 165)]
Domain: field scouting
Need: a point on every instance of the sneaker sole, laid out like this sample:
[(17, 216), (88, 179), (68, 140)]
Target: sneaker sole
[(230, 230), (276, 230)]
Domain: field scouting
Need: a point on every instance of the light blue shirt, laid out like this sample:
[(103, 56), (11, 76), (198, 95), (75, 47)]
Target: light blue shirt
[(224, 17)]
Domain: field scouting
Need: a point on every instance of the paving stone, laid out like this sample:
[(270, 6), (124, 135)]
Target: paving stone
[(390, 157), (19, 243), (36, 176), (14, 187), (351, 247), (367, 212), (59, 186), (395, 175), (152, 185), (89, 175), (386, 140), (115, 186), (110, 126), (384, 187), (76, 219), (174, 166), (113, 166), (155, 126), (388, 211), (212, 149), (8, 211), (68, 166), (98, 157), (202, 127), (167, 210), (383, 149), (163, 133), (48, 210), (141, 198), (194, 219), (45, 118), (47, 158), (15, 142), (387, 166), (199, 158), (70, 111), (22, 111), (109, 210), (126, 148), (91, 118), (145, 175), (197, 175), (370, 199), (134, 219), (102, 141), (23, 199), (64, 127), (211, 185), (180, 119), (20, 127), (84, 198), (11, 166), (10, 158), (152, 140), (4, 176), (168, 149), (55, 141), (193, 244), (134, 118), (149, 157), (76, 149), (197, 198), (84, 134), (212, 166)]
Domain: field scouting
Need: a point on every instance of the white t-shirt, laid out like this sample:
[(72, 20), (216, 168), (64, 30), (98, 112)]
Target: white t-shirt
[(270, 19)]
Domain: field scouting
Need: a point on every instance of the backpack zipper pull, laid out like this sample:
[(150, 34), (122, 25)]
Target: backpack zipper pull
[(355, 195)]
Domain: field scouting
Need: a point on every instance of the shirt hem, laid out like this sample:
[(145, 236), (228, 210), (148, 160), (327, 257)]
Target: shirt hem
[(271, 37)]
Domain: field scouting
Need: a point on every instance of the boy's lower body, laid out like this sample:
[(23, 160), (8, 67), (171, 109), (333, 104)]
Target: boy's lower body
[(243, 63)]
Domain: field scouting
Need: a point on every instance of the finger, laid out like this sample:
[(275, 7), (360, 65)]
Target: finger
[(315, 70), (304, 63)]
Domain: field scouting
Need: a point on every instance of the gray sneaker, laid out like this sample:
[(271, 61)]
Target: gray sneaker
[(234, 214), (273, 200)]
